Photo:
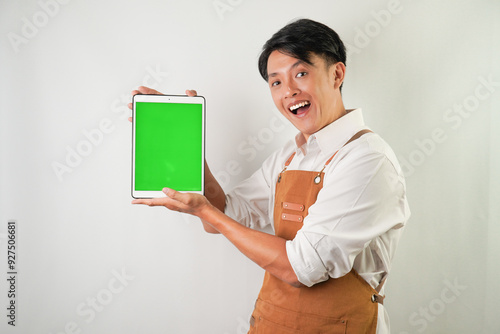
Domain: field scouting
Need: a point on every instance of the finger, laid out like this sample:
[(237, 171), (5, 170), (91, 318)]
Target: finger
[(147, 90), (167, 202), (149, 201), (171, 193), (174, 194), (191, 92), (141, 201), (177, 199), (130, 107)]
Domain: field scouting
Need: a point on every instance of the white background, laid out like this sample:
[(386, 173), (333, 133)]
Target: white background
[(68, 67)]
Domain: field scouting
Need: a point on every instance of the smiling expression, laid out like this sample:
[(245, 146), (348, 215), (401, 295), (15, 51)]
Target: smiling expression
[(308, 95)]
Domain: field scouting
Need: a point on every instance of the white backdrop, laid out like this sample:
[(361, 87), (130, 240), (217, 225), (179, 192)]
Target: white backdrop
[(426, 73)]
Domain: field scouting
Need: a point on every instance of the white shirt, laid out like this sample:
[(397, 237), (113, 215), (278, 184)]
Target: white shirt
[(359, 214)]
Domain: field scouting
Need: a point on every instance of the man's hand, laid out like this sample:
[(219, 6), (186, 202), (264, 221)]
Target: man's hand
[(193, 204), (147, 90)]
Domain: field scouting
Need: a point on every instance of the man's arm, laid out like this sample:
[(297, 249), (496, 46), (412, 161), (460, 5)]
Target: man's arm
[(215, 195), (268, 251), (368, 194)]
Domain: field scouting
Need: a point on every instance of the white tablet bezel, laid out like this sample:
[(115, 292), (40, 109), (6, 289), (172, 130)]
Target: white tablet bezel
[(166, 99)]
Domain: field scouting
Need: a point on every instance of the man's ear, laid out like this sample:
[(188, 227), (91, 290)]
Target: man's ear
[(338, 72)]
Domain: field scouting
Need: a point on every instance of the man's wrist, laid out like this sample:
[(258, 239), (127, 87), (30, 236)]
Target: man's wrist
[(207, 212)]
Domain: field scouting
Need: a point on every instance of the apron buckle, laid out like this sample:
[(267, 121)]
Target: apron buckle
[(376, 298)]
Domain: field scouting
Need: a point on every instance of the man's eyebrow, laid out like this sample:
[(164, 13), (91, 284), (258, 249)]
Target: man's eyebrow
[(297, 63)]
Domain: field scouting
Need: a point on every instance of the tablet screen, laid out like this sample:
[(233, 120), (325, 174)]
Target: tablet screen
[(168, 145)]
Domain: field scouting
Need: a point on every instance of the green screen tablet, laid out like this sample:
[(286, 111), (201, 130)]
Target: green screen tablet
[(168, 144)]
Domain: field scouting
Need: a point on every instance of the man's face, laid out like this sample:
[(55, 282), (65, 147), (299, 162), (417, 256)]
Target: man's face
[(307, 95)]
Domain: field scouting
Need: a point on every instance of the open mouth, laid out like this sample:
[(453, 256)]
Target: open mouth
[(300, 108)]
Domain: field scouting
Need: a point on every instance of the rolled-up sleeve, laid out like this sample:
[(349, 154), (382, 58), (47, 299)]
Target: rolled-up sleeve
[(363, 198), (305, 260)]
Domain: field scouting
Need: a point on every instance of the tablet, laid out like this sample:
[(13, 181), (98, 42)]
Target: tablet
[(168, 144)]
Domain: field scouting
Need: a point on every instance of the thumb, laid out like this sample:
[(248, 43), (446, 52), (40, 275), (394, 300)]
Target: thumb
[(180, 198), (170, 193)]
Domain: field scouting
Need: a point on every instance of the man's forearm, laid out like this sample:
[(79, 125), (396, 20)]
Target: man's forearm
[(266, 250), (213, 190), (215, 195)]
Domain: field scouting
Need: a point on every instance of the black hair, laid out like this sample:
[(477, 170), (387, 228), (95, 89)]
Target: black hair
[(302, 38)]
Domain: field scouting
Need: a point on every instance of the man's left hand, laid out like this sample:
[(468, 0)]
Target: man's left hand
[(193, 204)]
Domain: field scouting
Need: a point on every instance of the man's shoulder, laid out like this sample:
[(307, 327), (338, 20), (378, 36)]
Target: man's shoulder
[(369, 148)]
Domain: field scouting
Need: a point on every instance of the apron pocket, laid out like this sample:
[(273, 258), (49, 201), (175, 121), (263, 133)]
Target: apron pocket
[(263, 326), (271, 319), (308, 325)]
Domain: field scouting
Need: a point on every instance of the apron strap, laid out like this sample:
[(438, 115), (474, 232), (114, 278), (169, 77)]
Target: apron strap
[(377, 297), (353, 138), (289, 160), (357, 135), (286, 165), (381, 284)]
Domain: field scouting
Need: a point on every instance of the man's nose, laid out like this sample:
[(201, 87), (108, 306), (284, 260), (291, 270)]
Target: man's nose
[(292, 89)]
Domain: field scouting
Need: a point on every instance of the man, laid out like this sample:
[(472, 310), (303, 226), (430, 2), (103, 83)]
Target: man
[(335, 197)]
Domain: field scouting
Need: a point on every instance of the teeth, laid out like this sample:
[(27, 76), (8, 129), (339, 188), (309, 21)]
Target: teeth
[(298, 105)]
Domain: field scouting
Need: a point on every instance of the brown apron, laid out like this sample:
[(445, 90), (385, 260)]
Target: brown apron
[(347, 304)]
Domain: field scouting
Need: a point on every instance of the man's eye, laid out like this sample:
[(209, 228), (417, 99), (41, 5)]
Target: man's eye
[(276, 83), (301, 74)]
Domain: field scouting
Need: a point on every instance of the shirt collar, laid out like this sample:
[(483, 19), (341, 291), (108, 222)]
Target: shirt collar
[(333, 136)]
